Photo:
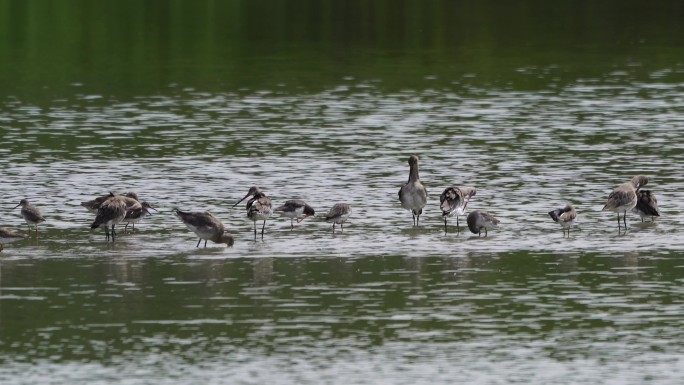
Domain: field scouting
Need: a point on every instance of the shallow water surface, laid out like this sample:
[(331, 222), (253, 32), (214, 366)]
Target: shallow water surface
[(380, 297), (531, 124)]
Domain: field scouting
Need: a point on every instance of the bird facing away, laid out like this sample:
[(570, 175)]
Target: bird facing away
[(31, 215), (624, 198), (453, 201), (258, 208), (339, 213), (413, 195), (478, 220), (94, 204), (136, 214), (111, 212), (565, 216), (295, 209), (206, 226), (7, 236), (647, 205)]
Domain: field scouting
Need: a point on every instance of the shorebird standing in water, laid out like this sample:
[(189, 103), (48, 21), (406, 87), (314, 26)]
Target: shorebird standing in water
[(206, 226), (111, 212), (339, 213), (94, 204), (647, 205), (136, 214), (7, 236), (565, 217), (478, 220), (258, 208), (413, 195), (624, 197), (453, 201), (295, 209), (31, 215)]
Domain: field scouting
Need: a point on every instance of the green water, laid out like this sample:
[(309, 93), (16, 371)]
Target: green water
[(191, 103)]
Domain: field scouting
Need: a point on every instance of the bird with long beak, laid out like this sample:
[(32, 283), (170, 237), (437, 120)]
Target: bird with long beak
[(258, 208), (295, 209), (136, 214)]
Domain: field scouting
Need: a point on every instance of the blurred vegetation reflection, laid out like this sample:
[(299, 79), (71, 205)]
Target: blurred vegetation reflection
[(140, 47)]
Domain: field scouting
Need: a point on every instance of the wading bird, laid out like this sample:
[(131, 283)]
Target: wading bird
[(453, 201), (258, 208), (478, 220), (413, 195), (206, 226), (31, 215)]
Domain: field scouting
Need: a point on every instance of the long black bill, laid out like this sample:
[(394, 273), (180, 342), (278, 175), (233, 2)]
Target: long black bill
[(241, 200)]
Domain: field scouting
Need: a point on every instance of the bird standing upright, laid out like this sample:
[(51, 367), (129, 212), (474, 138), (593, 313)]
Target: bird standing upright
[(624, 197), (111, 212), (413, 195), (258, 208), (31, 215)]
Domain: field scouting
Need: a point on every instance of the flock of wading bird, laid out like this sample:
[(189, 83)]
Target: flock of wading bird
[(114, 209), (453, 202)]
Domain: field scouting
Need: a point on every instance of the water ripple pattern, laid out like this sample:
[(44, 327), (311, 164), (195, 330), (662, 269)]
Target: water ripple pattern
[(381, 302), (525, 152)]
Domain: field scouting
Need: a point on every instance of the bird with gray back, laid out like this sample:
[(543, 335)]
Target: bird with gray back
[(295, 209), (258, 208), (413, 194), (479, 220), (339, 214), (31, 215), (624, 198), (206, 226), (111, 212)]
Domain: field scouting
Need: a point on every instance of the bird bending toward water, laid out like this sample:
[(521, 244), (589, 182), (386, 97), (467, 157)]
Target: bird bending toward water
[(453, 201), (295, 209), (111, 212), (647, 205), (624, 197), (206, 226), (258, 208), (339, 213), (31, 215), (413, 195), (565, 217), (7, 236), (478, 220)]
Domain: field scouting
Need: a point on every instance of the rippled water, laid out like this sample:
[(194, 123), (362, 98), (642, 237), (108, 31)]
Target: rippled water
[(526, 153), (381, 302)]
